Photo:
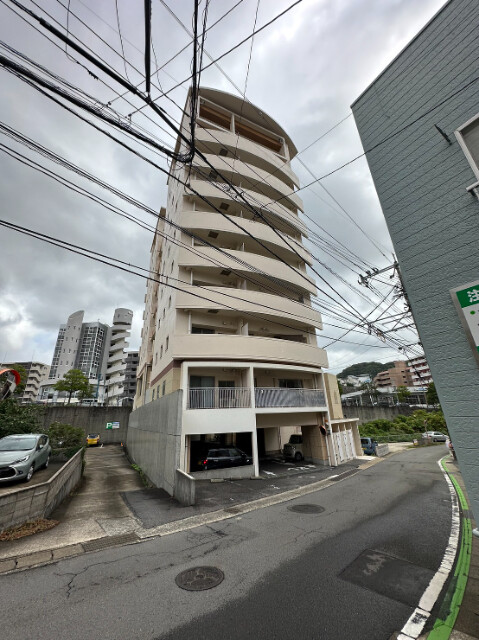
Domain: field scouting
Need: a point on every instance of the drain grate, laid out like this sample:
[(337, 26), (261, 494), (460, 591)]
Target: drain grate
[(344, 475), (109, 541), (306, 508), (199, 578)]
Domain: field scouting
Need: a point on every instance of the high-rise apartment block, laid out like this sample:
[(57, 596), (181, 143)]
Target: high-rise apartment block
[(97, 350), (129, 384), (420, 372), (229, 320)]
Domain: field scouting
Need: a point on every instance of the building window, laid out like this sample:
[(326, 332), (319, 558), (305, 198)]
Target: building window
[(163, 388), (169, 302), (167, 343), (161, 352), (468, 137), (156, 357)]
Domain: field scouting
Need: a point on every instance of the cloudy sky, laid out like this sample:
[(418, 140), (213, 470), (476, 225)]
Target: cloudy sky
[(306, 69)]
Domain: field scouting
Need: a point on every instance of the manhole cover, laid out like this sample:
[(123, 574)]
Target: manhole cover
[(199, 578), (306, 508)]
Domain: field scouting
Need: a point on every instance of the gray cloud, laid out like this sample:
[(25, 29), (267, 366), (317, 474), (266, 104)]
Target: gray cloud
[(306, 70)]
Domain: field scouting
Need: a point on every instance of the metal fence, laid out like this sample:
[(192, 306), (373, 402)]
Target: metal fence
[(279, 397), (219, 398)]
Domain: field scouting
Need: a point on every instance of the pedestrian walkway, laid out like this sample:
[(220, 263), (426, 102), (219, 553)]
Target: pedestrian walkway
[(94, 510)]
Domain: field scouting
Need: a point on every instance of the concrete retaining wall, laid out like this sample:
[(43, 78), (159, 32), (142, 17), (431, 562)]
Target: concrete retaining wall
[(154, 439), (91, 420), (382, 450), (368, 413), (185, 488), (38, 501)]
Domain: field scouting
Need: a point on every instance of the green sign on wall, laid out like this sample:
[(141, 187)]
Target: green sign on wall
[(112, 425), (466, 301)]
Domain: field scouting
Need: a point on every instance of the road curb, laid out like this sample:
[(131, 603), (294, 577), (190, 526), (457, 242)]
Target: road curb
[(457, 557)]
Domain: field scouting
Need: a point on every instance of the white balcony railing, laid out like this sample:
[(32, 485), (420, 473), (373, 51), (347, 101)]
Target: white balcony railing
[(240, 398), (219, 398), (279, 397)]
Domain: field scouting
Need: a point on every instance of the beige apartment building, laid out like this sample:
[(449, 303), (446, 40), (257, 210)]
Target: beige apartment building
[(229, 322), (397, 376)]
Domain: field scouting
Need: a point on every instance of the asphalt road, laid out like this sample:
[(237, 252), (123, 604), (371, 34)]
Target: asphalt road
[(354, 571)]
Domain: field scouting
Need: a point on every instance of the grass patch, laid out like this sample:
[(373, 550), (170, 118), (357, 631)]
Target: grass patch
[(27, 529), (142, 475)]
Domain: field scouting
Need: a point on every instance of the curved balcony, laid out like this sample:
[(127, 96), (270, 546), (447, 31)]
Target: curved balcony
[(121, 326), (271, 268), (246, 301), (207, 221), (255, 179), (249, 348), (115, 368), (212, 140), (118, 348), (211, 191)]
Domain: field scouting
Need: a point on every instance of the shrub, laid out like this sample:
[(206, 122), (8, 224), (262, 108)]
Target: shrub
[(65, 439), (19, 418)]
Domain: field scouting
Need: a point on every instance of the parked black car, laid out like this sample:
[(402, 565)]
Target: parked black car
[(226, 457)]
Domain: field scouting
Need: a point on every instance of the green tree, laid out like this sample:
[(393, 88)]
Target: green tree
[(371, 390), (340, 388), (19, 418), (431, 394), (403, 393), (74, 381)]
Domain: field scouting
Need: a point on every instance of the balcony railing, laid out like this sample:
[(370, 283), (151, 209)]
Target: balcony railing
[(240, 398), (219, 398), (280, 397)]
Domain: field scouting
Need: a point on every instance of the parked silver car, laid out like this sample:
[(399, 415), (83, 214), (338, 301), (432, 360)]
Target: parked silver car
[(435, 436), (21, 455)]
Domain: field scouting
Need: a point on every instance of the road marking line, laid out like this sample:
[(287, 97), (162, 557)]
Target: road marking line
[(416, 622)]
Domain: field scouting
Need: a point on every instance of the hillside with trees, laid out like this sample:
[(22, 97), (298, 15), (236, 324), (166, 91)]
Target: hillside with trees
[(365, 368)]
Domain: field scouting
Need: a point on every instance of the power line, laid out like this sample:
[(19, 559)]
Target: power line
[(99, 257), (251, 35)]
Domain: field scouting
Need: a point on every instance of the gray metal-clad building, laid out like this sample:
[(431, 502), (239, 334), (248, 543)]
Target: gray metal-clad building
[(419, 125)]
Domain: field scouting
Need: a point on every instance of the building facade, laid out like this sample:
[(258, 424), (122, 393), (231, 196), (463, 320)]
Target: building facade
[(97, 350), (37, 372), (129, 385), (229, 320), (116, 362), (397, 376), (420, 372), (419, 125)]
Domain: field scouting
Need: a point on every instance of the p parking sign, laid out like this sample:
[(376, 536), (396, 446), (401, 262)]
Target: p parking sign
[(466, 301)]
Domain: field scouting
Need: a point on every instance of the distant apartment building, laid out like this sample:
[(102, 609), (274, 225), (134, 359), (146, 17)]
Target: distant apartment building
[(420, 373), (97, 350), (397, 376), (37, 372), (355, 381), (234, 336), (129, 384)]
